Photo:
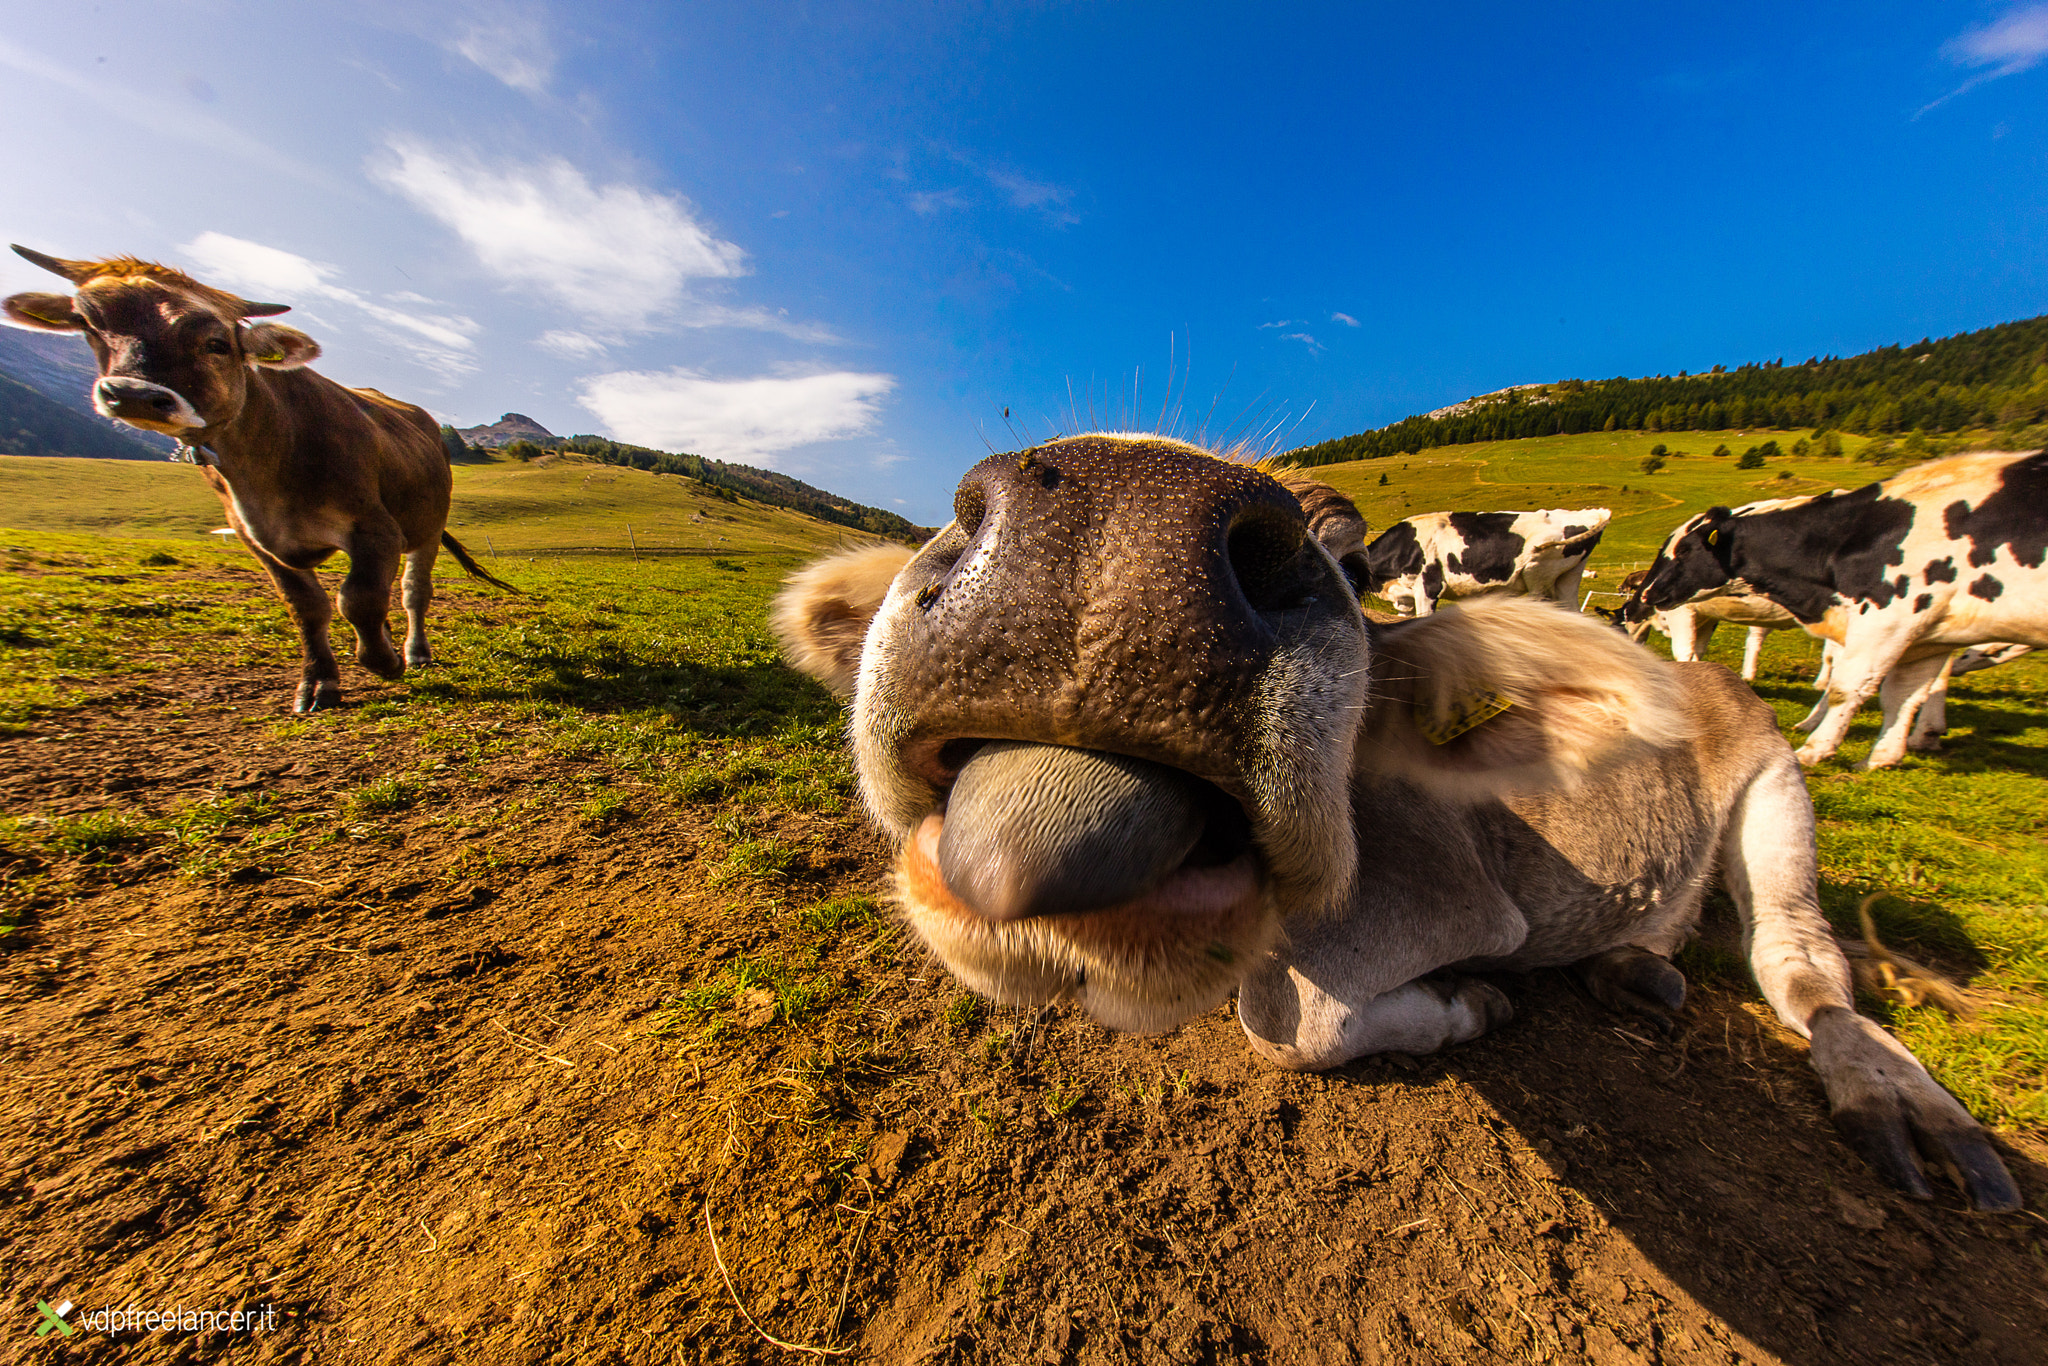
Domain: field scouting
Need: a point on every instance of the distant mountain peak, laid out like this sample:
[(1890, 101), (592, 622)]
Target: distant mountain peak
[(507, 429)]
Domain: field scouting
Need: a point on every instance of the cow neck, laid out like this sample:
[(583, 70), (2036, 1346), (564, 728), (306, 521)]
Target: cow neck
[(253, 442)]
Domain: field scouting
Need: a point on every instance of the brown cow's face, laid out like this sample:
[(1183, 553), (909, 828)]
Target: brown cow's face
[(1117, 715), (171, 360), (1107, 711)]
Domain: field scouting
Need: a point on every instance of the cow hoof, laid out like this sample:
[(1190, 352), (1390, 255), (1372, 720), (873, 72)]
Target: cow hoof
[(1473, 1007), (317, 697), (1889, 1109), (418, 661), (1931, 745), (1808, 756), (390, 668), (1637, 982)]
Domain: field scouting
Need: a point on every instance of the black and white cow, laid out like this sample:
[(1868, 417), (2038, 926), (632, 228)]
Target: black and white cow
[(1897, 574), (1419, 561)]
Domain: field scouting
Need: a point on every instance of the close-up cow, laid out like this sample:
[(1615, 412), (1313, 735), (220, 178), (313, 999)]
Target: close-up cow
[(302, 466), (1140, 750), (1898, 575), (1423, 560)]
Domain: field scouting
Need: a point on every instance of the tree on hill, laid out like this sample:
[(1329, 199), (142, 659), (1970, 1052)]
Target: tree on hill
[(1997, 376)]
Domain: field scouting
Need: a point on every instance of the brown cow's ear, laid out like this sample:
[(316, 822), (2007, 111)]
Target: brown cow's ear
[(277, 347), (822, 614), (43, 312), (1505, 695)]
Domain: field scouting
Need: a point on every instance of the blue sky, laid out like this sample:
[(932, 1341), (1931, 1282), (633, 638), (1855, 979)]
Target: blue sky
[(839, 240)]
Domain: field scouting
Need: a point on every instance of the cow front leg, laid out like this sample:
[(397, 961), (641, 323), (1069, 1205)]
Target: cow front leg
[(1294, 1023), (419, 591), (366, 602), (1932, 723), (1903, 693), (1822, 681), (1752, 651), (319, 676), (1853, 684), (1880, 1097)]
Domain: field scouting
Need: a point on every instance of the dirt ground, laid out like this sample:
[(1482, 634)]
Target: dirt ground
[(424, 1092)]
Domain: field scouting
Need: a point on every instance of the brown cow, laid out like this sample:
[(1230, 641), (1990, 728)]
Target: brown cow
[(303, 466)]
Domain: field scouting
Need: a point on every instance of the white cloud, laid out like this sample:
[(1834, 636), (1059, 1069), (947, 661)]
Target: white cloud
[(1304, 338), (925, 203), (569, 344), (614, 254), (1048, 199), (750, 420), (1344, 318), (441, 342), (1284, 322), (2014, 44), (512, 43)]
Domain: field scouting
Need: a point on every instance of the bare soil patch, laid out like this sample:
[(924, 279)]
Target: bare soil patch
[(438, 1090)]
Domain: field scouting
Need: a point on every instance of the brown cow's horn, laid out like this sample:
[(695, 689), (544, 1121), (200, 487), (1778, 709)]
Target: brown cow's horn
[(70, 270), (250, 310)]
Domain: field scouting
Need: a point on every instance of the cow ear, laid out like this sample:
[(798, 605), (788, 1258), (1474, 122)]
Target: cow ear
[(822, 614), (43, 312), (1506, 695), (273, 346)]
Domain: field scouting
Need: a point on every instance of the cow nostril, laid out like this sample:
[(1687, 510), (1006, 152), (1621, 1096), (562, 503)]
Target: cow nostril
[(164, 403), (970, 505), (1264, 547)]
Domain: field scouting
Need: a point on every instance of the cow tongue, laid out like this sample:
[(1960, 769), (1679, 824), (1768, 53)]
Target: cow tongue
[(1043, 830)]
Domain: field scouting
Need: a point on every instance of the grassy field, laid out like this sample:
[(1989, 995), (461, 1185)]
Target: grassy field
[(549, 507), (1596, 469)]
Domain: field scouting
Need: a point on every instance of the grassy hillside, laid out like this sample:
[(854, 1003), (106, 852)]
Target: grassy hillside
[(549, 507), (1994, 377), (1594, 469)]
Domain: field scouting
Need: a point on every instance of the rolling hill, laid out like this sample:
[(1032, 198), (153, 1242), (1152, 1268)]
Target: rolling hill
[(1993, 377)]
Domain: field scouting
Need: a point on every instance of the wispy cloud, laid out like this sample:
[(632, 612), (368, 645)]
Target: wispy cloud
[(1344, 318), (442, 342), (1305, 339), (1043, 196), (618, 255), (2015, 43), (511, 41), (753, 420), (925, 203), (570, 344), (1270, 327), (615, 254)]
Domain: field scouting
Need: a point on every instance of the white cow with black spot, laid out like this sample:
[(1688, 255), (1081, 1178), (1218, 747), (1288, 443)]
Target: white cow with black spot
[(1898, 575)]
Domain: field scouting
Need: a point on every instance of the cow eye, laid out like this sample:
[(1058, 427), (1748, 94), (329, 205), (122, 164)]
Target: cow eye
[(218, 347)]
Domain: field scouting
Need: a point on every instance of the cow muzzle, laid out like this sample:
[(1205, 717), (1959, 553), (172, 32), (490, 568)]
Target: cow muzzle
[(1033, 830), (138, 402)]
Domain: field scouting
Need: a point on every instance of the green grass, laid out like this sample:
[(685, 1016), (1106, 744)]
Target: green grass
[(1596, 469)]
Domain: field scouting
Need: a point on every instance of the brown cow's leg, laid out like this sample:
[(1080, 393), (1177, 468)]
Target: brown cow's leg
[(320, 680), (366, 601), (419, 591)]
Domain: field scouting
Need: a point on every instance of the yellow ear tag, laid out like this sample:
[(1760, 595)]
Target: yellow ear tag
[(1714, 537), (270, 357), (1474, 709)]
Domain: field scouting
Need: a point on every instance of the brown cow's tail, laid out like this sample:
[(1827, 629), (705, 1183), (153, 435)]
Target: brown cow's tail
[(471, 567)]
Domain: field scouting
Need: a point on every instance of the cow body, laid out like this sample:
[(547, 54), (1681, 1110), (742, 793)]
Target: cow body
[(1898, 575), (303, 467), (1419, 561), (1140, 749)]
